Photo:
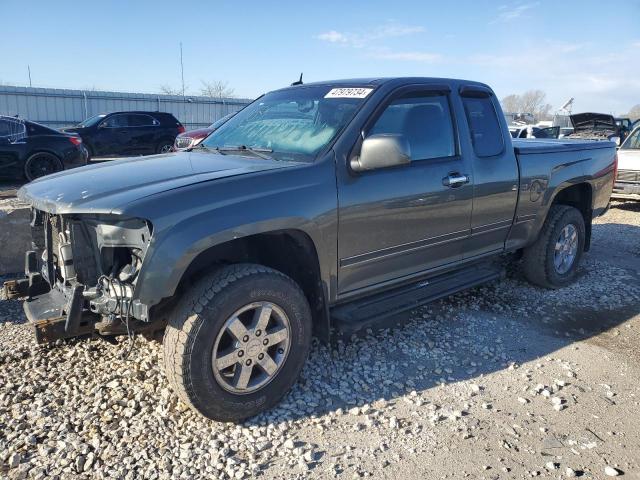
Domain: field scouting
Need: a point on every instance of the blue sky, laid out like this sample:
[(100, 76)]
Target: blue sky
[(582, 49)]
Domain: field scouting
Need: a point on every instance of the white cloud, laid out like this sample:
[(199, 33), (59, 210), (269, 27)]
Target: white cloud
[(599, 81), (363, 39), (636, 44), (333, 37), (513, 11), (369, 41)]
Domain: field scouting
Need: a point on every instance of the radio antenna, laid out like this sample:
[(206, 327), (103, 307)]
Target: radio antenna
[(298, 82)]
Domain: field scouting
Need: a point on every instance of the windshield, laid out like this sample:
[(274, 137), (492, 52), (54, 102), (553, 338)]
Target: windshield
[(293, 124), (220, 122), (633, 141), (91, 121)]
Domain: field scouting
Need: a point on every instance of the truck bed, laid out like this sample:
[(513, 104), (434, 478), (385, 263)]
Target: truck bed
[(533, 146), (549, 165)]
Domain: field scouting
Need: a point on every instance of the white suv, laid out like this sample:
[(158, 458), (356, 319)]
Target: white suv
[(627, 184)]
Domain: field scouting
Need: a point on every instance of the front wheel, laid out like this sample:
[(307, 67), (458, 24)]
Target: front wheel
[(553, 260), (164, 146), (41, 164), (237, 342)]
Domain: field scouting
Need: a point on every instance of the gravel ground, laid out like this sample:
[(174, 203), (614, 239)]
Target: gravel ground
[(504, 381)]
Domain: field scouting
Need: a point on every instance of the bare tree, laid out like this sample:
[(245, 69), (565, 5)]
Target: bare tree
[(634, 113), (217, 89), (544, 112), (169, 90), (531, 101), (511, 103)]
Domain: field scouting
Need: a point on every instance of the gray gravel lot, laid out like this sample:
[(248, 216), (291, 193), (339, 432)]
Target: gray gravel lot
[(504, 381)]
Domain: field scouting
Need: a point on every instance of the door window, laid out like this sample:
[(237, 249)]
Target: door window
[(548, 132), (633, 142), (424, 120), (12, 130), (117, 121), (137, 120), (486, 133)]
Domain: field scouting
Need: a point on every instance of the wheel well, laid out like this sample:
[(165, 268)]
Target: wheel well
[(42, 150), (291, 252), (579, 196)]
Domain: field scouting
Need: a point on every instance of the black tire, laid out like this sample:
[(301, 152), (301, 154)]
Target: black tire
[(197, 320), (90, 152), (538, 259), (40, 164), (165, 146)]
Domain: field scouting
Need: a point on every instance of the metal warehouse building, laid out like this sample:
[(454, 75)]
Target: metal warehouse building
[(60, 107)]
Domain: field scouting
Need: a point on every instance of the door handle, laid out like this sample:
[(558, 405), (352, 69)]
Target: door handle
[(455, 180)]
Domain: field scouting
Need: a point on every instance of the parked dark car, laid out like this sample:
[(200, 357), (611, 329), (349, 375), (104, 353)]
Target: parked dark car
[(128, 133), (30, 150), (193, 137), (320, 205)]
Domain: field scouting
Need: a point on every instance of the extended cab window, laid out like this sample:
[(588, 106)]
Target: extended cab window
[(486, 133), (424, 120)]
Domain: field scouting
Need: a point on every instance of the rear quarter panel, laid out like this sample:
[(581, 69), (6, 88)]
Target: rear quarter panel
[(545, 174)]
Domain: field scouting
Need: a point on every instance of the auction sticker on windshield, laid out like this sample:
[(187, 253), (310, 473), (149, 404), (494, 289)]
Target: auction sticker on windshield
[(348, 92)]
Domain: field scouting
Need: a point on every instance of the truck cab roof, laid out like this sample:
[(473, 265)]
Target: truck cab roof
[(394, 81)]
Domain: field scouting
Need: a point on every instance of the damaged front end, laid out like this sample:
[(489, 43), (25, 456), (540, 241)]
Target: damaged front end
[(81, 275)]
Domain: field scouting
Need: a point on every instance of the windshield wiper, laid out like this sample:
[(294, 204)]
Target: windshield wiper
[(258, 152), (202, 146)]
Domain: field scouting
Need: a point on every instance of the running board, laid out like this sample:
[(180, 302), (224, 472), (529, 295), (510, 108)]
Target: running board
[(359, 314)]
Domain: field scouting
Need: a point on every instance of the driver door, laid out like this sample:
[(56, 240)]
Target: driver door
[(403, 221)]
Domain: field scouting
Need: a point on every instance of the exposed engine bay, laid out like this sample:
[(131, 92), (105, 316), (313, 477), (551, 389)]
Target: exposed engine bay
[(88, 266)]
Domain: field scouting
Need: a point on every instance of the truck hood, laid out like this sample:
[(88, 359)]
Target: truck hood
[(105, 187), (583, 122)]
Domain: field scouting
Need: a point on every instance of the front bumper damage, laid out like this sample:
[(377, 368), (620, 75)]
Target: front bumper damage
[(53, 315), (74, 282)]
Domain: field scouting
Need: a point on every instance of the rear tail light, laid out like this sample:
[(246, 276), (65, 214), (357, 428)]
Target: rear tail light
[(75, 140), (181, 129)]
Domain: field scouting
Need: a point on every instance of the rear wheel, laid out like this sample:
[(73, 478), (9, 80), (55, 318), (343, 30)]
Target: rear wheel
[(553, 260), (237, 342), (41, 164)]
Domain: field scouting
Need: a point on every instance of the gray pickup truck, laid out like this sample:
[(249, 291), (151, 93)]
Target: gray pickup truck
[(321, 205)]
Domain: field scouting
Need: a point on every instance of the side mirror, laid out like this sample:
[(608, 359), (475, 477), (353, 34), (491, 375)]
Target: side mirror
[(102, 125), (382, 151)]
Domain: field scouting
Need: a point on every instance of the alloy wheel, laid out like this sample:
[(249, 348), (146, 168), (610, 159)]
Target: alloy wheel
[(251, 347), (566, 249)]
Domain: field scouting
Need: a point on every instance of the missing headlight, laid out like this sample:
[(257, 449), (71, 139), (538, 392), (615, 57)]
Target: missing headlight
[(122, 263)]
